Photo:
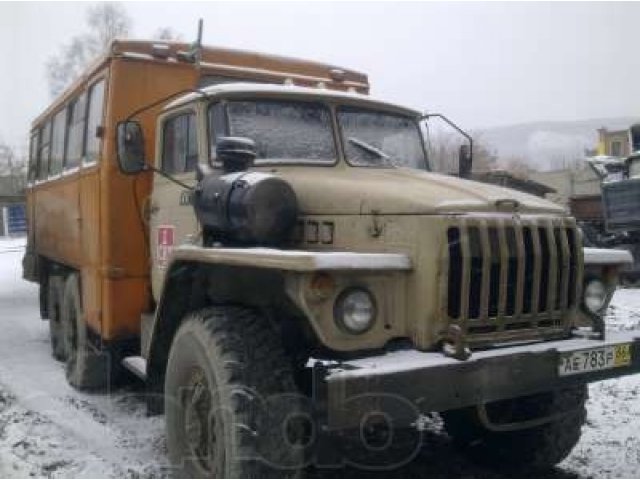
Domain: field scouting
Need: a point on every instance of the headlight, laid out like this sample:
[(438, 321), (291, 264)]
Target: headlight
[(595, 294), (355, 310)]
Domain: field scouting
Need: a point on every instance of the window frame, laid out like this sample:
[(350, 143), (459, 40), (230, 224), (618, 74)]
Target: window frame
[(211, 157)]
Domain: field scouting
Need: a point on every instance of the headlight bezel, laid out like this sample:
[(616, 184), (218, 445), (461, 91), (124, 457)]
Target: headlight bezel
[(340, 305), (602, 287)]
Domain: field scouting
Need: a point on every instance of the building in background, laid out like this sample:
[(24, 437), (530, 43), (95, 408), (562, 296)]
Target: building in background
[(12, 197), (613, 143)]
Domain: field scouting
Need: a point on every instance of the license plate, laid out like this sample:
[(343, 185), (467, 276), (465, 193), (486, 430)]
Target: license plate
[(594, 359)]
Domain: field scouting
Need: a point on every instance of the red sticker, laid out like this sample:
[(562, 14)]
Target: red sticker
[(165, 243)]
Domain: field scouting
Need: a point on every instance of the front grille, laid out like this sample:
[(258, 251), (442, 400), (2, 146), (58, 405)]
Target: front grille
[(511, 274)]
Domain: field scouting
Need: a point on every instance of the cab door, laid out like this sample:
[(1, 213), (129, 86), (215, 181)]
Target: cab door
[(172, 218)]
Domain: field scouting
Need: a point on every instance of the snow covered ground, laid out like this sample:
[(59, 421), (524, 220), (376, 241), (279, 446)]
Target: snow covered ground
[(48, 429)]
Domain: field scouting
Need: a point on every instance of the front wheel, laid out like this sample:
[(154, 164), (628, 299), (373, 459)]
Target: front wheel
[(231, 406), (541, 446)]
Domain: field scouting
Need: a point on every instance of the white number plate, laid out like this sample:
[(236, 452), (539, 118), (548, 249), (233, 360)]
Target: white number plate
[(595, 359)]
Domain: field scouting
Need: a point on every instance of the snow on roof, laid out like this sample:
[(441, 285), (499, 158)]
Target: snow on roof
[(241, 88)]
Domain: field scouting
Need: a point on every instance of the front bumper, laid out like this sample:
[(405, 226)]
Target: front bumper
[(405, 383)]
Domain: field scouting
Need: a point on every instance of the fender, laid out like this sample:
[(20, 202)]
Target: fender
[(263, 265)]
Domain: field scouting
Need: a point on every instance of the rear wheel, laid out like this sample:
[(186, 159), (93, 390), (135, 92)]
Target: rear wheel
[(87, 366), (55, 292), (539, 447), (231, 407)]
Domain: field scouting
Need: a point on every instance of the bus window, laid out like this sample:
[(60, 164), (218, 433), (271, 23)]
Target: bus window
[(75, 135), (33, 158), (43, 151), (57, 142), (94, 120), (180, 145)]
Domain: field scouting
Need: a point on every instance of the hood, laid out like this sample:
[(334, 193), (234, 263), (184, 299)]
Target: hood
[(402, 191)]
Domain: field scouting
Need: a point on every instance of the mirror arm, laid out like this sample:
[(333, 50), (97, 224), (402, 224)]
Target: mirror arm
[(426, 116), (148, 167), (165, 99)]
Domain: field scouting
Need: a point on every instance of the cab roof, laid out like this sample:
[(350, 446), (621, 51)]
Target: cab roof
[(274, 90)]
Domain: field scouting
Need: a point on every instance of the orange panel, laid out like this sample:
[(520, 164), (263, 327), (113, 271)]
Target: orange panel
[(124, 237), (57, 221)]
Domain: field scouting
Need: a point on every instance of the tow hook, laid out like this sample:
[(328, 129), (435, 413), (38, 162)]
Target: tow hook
[(454, 344)]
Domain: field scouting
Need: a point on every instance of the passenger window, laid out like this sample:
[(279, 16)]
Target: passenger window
[(75, 136), (57, 142), (94, 120), (44, 143), (33, 158), (180, 144)]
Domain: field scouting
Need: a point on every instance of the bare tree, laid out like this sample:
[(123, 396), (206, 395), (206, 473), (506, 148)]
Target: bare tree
[(517, 166), (444, 151), (105, 21), (13, 169), (168, 34)]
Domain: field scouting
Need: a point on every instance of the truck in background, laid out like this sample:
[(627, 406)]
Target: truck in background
[(611, 219)]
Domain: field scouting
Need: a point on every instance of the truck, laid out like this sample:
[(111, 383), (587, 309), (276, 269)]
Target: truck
[(608, 218), (265, 245)]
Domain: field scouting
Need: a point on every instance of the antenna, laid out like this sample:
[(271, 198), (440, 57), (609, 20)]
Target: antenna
[(194, 55), (198, 46)]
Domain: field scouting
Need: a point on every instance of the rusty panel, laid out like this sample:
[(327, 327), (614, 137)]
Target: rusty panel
[(586, 207), (124, 301)]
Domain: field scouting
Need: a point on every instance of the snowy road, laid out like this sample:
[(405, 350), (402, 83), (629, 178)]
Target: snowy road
[(47, 429)]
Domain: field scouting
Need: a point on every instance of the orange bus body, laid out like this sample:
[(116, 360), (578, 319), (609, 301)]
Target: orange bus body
[(91, 219)]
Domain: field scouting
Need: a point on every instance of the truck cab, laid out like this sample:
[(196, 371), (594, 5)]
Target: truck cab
[(303, 250)]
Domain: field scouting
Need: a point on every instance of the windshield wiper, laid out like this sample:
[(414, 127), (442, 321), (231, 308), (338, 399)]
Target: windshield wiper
[(369, 148)]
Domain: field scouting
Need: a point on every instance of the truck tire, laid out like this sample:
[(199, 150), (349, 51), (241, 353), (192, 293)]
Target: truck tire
[(55, 293), (87, 366), (539, 447), (232, 409)]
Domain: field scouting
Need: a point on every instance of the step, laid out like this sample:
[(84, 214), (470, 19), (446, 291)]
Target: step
[(137, 366)]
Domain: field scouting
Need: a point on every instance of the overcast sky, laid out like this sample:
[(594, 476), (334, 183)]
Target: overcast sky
[(483, 64)]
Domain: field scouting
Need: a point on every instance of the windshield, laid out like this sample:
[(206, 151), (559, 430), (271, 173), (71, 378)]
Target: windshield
[(299, 131), (373, 138), (281, 130)]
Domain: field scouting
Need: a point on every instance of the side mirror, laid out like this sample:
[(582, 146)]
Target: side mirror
[(465, 161), (130, 148), (235, 153)]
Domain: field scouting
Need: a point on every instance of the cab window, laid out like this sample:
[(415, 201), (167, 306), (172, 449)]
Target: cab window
[(179, 144)]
